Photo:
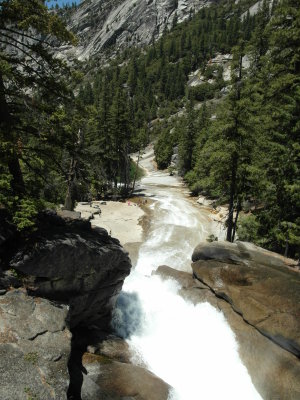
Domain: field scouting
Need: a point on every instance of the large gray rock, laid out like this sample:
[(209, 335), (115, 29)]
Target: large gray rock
[(240, 252), (274, 371), (70, 262), (258, 284), (34, 348)]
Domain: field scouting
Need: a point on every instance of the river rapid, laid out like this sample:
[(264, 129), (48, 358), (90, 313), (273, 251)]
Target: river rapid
[(192, 348)]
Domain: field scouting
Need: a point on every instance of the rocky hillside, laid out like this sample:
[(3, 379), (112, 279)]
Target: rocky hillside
[(100, 24)]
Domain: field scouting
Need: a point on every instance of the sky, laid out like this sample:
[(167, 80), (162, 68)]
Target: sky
[(50, 3)]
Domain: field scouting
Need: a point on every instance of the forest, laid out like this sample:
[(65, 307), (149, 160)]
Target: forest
[(68, 129)]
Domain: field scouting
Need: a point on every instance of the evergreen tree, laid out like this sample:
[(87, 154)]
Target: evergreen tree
[(187, 140), (279, 87), (30, 87)]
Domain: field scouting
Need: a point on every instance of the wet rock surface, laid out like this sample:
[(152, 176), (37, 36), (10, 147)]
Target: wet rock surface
[(114, 348), (257, 284), (34, 347), (274, 371), (113, 380)]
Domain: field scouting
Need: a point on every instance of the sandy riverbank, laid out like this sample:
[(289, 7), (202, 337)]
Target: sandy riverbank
[(125, 221), (121, 220)]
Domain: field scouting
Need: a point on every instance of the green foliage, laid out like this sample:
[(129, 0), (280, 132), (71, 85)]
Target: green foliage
[(164, 148), (212, 238), (25, 214), (32, 86), (32, 358), (30, 393), (247, 230), (136, 171), (249, 150), (203, 92)]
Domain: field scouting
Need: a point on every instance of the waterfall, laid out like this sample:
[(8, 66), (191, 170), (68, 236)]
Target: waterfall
[(191, 347)]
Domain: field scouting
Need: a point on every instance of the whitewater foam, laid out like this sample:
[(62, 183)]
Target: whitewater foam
[(191, 347)]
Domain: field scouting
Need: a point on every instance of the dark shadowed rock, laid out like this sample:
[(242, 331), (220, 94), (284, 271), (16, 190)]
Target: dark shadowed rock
[(9, 279), (274, 371), (34, 348), (113, 380), (68, 261)]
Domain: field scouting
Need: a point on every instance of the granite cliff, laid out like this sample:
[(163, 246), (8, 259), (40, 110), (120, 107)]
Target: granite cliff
[(103, 24)]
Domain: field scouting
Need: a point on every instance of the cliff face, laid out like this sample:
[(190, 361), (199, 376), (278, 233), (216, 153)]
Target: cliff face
[(100, 24), (64, 278)]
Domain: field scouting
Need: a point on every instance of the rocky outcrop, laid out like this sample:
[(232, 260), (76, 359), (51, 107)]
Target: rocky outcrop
[(68, 261), (68, 276), (274, 371), (259, 293), (101, 24), (257, 284), (34, 347), (241, 252)]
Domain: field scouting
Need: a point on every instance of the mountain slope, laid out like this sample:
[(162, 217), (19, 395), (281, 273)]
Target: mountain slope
[(100, 24)]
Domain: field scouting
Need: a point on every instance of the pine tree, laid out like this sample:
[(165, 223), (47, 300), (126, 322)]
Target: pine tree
[(187, 140), (30, 87)]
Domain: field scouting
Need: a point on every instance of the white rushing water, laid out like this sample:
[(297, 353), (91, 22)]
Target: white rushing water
[(190, 347)]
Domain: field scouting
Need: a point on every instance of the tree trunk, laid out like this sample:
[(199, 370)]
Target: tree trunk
[(238, 209), (286, 250), (17, 183), (234, 163), (127, 170), (69, 199), (12, 159), (136, 171), (231, 199)]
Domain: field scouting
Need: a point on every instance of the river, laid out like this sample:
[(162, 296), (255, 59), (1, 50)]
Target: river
[(192, 348)]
